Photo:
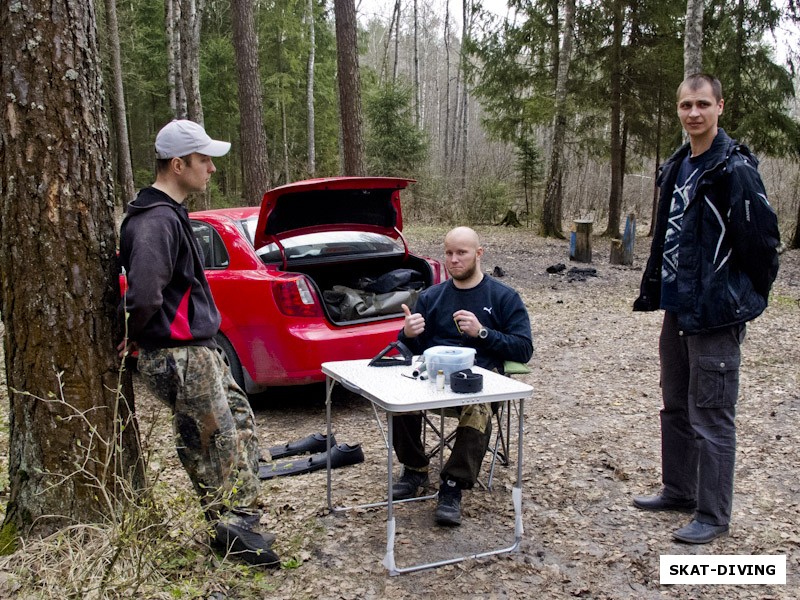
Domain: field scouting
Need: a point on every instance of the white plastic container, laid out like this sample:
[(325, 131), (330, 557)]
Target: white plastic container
[(448, 359)]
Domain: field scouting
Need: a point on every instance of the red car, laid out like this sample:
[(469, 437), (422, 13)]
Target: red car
[(318, 273)]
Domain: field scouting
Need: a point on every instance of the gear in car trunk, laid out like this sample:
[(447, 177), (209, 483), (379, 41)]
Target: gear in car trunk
[(367, 290)]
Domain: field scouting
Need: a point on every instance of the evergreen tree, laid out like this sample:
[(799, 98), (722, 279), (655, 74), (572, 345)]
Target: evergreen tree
[(394, 144)]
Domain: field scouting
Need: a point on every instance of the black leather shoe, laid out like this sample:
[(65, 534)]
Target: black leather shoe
[(661, 503), (409, 484), (245, 545), (316, 442), (700, 533), (448, 507)]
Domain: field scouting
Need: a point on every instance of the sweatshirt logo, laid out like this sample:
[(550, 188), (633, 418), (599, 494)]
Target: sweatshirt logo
[(488, 309)]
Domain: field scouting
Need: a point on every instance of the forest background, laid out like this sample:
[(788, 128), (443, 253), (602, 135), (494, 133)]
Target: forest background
[(463, 99)]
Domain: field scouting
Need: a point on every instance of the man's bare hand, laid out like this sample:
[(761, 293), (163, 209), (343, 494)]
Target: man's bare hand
[(126, 348), (467, 322), (414, 324)]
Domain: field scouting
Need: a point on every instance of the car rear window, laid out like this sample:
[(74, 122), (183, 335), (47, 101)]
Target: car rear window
[(326, 244)]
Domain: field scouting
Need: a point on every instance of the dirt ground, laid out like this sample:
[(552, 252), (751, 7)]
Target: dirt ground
[(591, 443)]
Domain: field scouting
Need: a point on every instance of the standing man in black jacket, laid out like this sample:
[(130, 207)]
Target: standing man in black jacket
[(712, 263), (172, 319)]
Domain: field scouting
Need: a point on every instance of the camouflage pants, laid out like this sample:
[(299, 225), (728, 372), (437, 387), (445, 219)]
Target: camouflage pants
[(214, 425)]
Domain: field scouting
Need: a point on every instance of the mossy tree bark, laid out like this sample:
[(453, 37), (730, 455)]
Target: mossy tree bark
[(60, 285)]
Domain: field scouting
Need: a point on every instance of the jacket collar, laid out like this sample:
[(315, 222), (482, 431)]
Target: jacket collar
[(720, 152)]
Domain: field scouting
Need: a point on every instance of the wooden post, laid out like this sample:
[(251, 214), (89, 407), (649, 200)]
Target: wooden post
[(622, 250), (580, 249)]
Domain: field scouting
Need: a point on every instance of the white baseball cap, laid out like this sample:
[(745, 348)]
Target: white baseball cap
[(181, 138)]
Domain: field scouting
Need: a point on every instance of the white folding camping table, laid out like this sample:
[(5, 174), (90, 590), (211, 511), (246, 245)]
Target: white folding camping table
[(387, 389)]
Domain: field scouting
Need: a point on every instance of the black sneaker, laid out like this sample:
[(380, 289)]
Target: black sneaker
[(448, 509), (409, 483), (243, 543)]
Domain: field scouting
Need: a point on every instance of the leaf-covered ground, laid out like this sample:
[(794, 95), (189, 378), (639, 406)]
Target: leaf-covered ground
[(591, 443)]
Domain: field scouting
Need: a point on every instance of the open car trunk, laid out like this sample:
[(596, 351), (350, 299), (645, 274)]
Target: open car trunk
[(368, 289)]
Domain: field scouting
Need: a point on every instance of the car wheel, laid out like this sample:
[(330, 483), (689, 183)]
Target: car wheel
[(232, 358)]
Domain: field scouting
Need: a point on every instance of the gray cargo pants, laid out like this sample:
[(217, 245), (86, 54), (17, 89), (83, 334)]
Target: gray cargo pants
[(699, 386)]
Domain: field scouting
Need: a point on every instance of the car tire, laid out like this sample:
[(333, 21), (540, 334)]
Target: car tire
[(233, 359)]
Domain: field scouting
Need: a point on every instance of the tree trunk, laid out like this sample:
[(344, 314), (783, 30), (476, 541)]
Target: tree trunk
[(396, 44), (417, 97), (190, 22), (693, 38), (60, 285), (464, 130), (285, 136), (177, 95), (617, 166), (349, 87), (120, 116), (255, 168), (191, 19), (447, 109), (552, 214), (796, 237), (312, 50)]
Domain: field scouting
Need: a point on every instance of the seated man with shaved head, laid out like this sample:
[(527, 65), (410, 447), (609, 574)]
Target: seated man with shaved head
[(470, 310)]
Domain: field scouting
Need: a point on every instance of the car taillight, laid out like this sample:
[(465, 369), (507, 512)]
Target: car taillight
[(295, 297)]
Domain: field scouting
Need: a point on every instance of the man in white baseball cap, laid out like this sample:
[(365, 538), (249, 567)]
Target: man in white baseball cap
[(173, 320), (180, 138)]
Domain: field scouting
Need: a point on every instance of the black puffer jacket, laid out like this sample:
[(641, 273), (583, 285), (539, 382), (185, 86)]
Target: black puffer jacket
[(728, 242)]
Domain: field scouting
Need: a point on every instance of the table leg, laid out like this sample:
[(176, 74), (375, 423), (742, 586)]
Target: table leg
[(517, 491), (388, 560), (329, 383)]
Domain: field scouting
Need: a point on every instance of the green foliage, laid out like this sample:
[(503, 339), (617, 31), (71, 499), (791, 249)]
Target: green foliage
[(284, 49), (394, 146), (529, 161), (516, 78), (144, 74), (757, 91), (487, 200)]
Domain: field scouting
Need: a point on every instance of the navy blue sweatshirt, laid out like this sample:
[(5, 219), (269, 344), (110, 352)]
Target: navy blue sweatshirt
[(168, 297), (498, 307)]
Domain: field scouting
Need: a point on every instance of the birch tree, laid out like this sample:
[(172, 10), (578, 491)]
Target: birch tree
[(312, 49), (552, 214), (693, 38), (118, 112)]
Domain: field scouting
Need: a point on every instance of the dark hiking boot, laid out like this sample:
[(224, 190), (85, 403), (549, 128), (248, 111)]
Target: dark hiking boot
[(409, 484), (242, 543), (448, 508)]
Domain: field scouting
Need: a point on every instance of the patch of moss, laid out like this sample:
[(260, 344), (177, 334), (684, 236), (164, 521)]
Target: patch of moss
[(9, 539)]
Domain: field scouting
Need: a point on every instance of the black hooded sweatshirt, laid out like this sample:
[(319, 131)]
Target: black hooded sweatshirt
[(168, 297)]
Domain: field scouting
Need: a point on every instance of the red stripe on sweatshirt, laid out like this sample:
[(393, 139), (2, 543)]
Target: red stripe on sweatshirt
[(179, 329)]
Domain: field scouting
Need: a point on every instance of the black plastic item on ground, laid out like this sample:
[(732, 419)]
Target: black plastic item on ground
[(386, 359), (342, 455), (466, 382), (316, 442)]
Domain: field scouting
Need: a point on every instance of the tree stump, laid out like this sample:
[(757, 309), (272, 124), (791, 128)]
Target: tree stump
[(510, 220), (622, 250), (580, 246)]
